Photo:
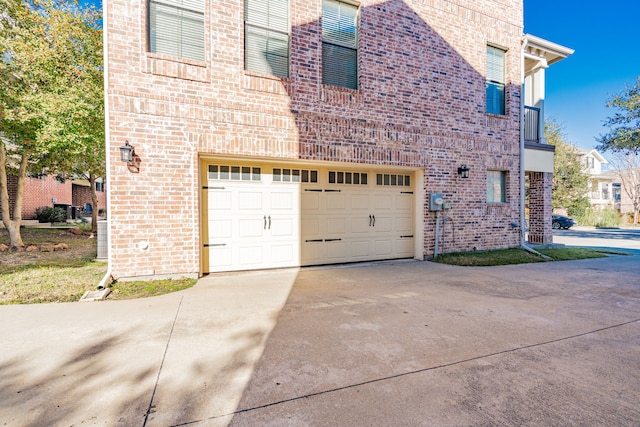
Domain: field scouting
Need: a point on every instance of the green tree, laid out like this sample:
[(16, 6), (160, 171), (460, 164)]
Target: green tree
[(624, 125), (570, 180), (51, 99)]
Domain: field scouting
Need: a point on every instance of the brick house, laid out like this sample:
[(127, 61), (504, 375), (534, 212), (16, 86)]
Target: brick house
[(47, 190), (278, 133)]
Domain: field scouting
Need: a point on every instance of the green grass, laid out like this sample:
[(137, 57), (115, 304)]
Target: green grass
[(37, 284), (519, 256), (64, 276), (142, 289)]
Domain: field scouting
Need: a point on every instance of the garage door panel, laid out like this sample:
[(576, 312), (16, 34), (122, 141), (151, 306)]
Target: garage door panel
[(253, 227), (219, 200), (404, 246), (221, 229), (336, 225), (404, 202), (310, 227), (383, 248), (282, 254), (404, 224), (250, 200), (383, 224), (337, 251), (282, 201), (310, 201), (223, 257), (251, 255), (383, 202), (283, 227), (359, 202), (360, 248), (335, 201), (360, 225), (313, 253)]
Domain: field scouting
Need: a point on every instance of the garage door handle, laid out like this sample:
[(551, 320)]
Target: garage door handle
[(370, 220), (269, 222), (374, 220), (264, 227)]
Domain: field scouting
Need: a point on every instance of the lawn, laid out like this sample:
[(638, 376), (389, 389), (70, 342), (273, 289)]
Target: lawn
[(520, 256), (64, 275)]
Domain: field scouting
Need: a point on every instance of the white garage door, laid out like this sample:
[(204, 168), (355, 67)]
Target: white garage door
[(278, 216), (348, 218), (252, 224)]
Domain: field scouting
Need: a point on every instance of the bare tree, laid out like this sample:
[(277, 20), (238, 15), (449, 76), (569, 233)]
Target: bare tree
[(627, 168)]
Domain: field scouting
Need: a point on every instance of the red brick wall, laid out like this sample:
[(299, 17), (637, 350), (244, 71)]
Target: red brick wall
[(82, 195), (39, 192), (540, 209), (421, 103)]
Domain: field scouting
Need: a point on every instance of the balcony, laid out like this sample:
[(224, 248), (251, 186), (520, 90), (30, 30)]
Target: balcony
[(532, 125)]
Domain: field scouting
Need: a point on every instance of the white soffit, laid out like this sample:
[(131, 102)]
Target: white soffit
[(543, 52)]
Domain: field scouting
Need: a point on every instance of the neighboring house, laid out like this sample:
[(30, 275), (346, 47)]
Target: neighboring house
[(292, 133), (604, 188), (48, 190)]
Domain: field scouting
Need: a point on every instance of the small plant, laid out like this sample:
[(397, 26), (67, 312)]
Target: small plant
[(50, 214)]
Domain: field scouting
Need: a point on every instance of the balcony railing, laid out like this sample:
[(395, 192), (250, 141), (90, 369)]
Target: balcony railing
[(531, 124)]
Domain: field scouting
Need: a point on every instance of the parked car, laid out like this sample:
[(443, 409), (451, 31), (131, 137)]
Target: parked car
[(562, 222)]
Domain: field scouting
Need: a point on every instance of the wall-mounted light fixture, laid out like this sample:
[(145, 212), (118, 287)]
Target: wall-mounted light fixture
[(463, 172), (126, 152)]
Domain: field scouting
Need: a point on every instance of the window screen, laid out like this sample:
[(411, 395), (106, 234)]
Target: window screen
[(176, 28), (495, 80), (339, 44), (267, 36)]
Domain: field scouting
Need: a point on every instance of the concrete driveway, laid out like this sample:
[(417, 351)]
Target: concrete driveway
[(392, 343)]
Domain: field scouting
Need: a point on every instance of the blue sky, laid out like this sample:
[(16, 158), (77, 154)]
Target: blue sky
[(604, 36)]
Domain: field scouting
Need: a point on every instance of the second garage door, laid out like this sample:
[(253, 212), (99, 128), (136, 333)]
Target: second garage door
[(353, 216)]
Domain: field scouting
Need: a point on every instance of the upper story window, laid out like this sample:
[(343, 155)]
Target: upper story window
[(495, 80), (339, 44), (266, 36), (176, 28), (590, 162)]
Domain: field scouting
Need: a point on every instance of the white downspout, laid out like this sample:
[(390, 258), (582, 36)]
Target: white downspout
[(105, 51), (522, 171)]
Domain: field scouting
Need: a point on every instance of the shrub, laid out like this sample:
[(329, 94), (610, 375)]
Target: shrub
[(599, 218), (49, 214)]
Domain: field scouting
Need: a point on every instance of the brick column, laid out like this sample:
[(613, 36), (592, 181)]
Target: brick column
[(540, 209)]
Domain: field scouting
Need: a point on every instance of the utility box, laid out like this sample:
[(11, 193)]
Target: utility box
[(435, 202), (103, 240)]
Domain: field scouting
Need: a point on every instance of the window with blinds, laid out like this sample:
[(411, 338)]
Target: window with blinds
[(339, 44), (266, 36), (495, 80), (176, 28)]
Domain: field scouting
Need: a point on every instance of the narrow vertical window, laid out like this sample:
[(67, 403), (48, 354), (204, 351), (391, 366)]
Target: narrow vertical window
[(339, 44), (176, 28), (266, 36), (496, 187), (495, 80)]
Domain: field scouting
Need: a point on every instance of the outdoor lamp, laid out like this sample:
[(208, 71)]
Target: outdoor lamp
[(463, 171), (126, 152)]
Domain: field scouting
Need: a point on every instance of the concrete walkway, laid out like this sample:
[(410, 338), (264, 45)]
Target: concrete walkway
[(392, 343)]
